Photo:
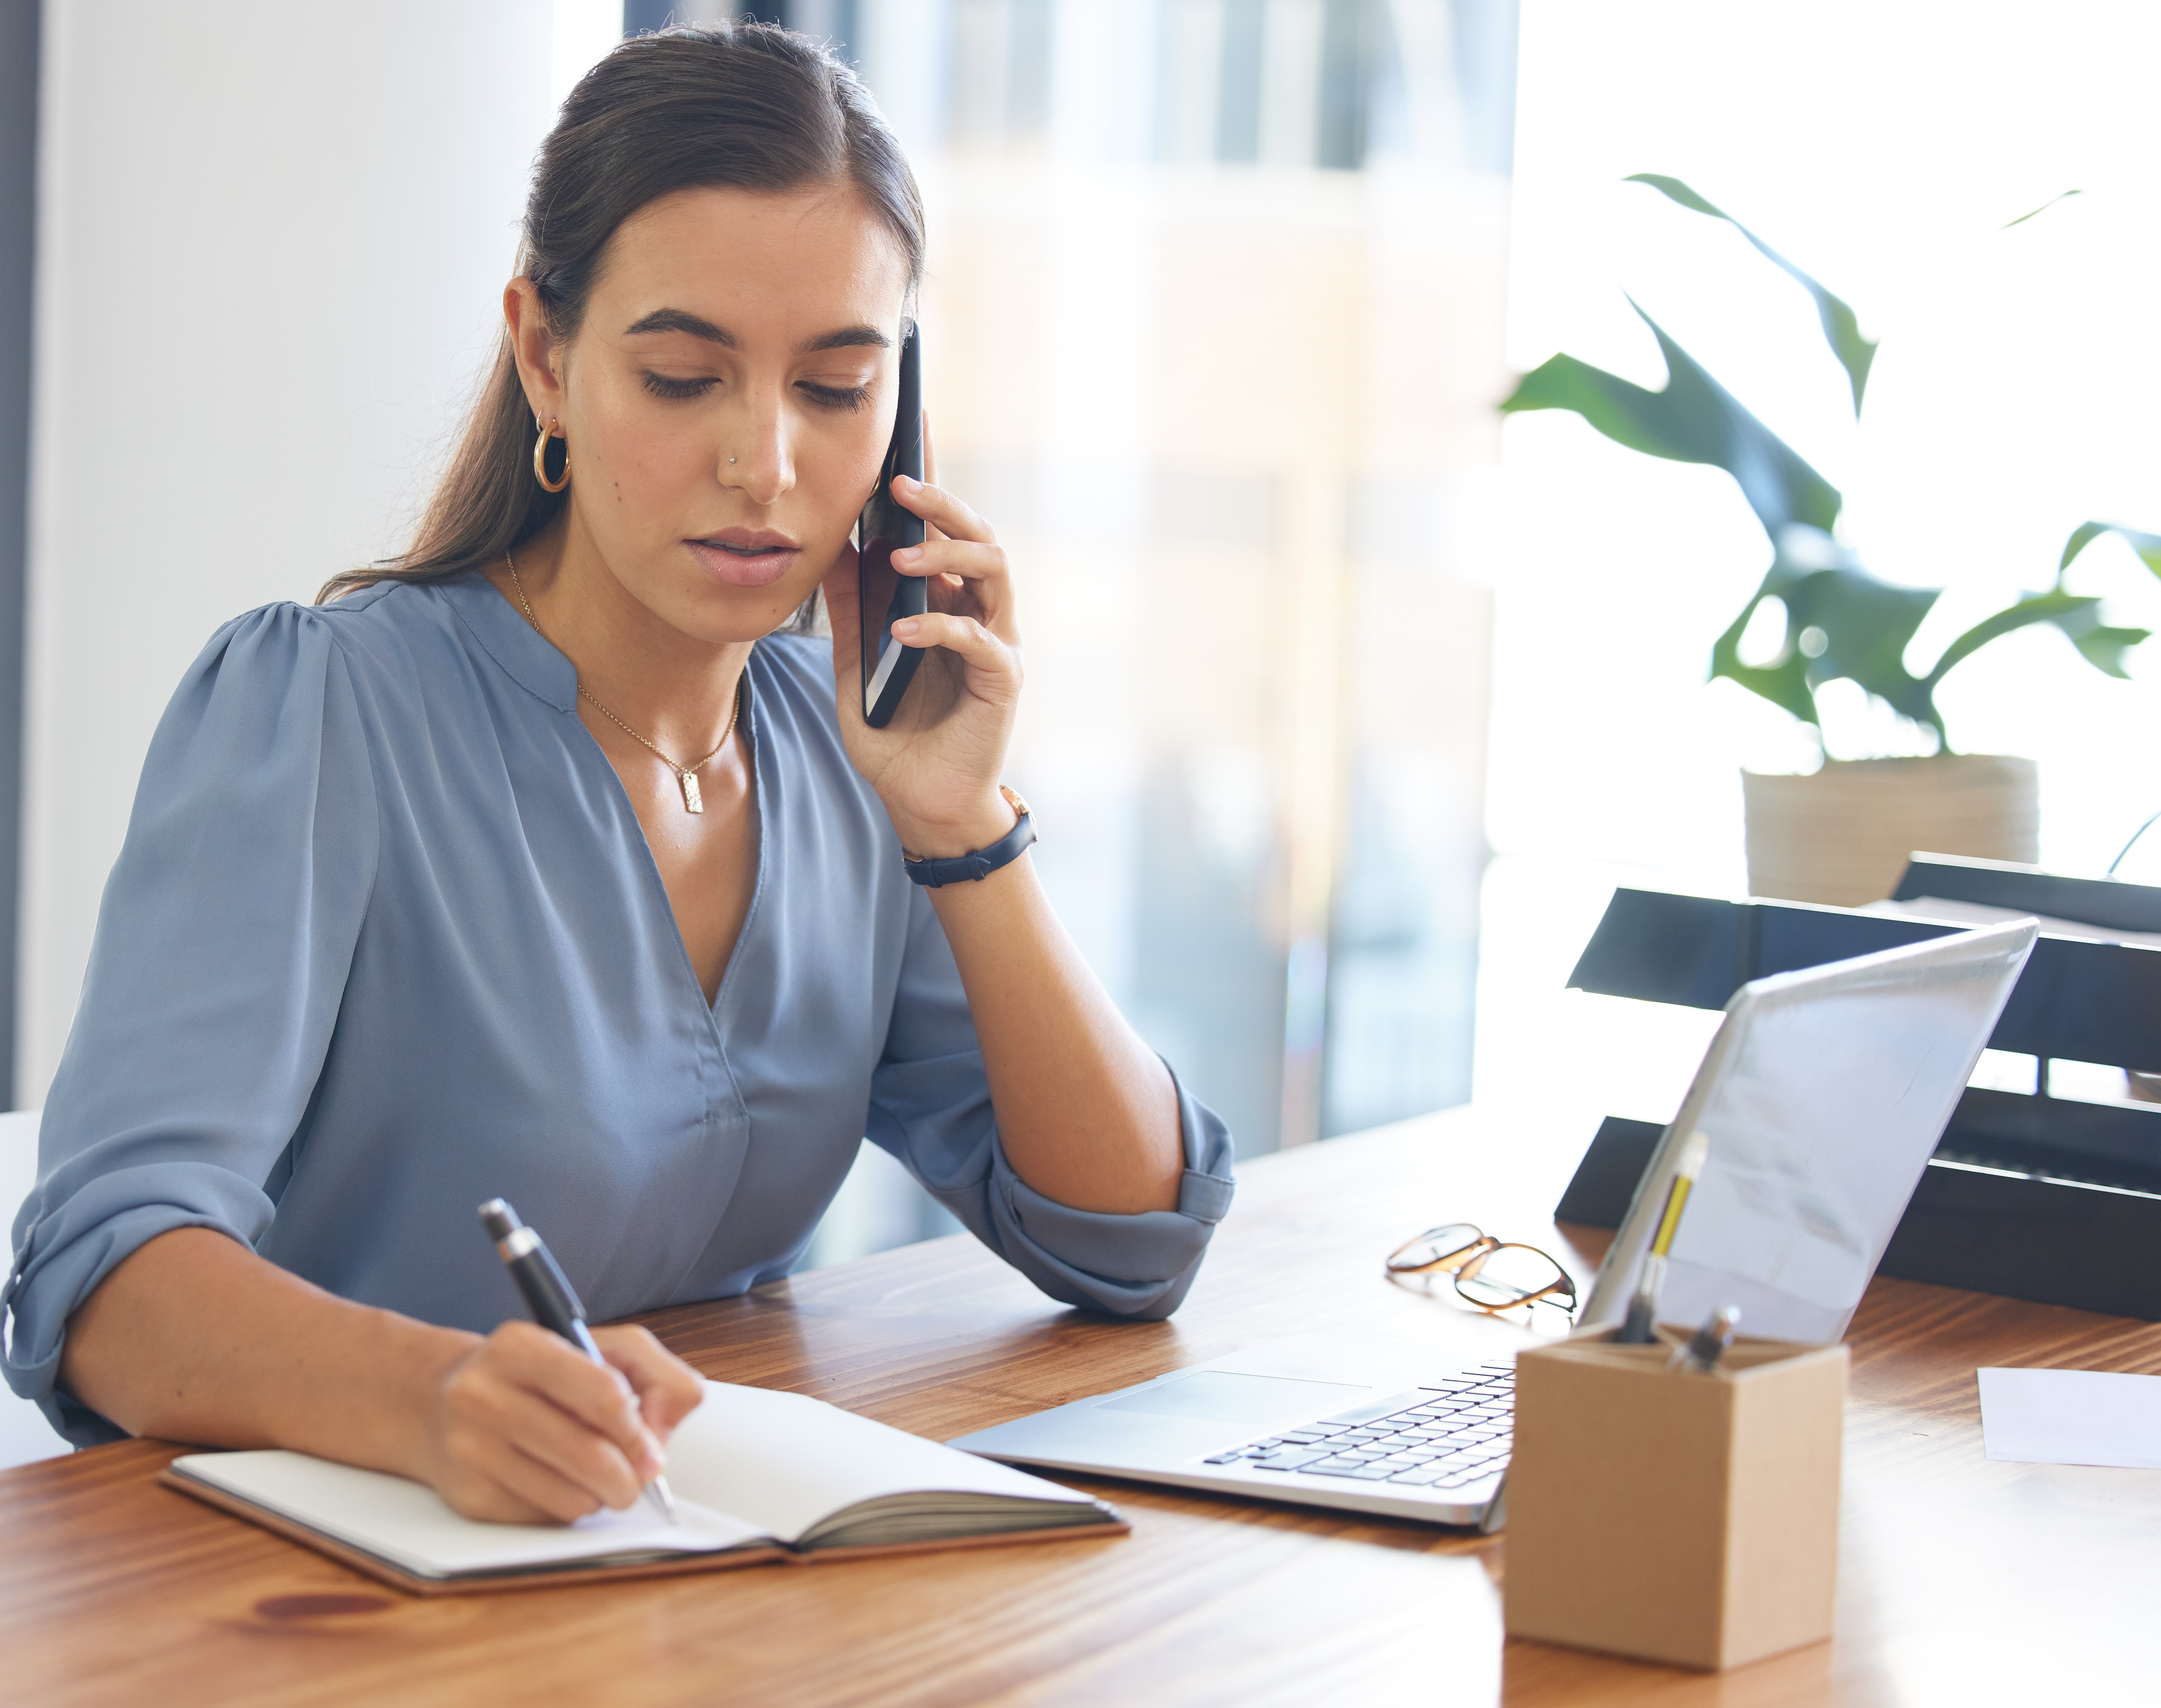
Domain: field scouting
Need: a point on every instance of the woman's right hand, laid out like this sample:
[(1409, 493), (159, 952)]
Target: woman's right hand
[(524, 1429), (194, 1337)]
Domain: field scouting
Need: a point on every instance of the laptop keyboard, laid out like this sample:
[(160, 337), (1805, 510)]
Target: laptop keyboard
[(1443, 1435)]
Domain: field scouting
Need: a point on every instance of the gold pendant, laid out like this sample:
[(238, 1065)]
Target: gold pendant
[(693, 802)]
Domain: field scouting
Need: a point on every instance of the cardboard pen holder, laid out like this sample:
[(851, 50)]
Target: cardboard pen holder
[(1674, 1516)]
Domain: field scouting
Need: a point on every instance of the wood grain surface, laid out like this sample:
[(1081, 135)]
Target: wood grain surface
[(1961, 1580)]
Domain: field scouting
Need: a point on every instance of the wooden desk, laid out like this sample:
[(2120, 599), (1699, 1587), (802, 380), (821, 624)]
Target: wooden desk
[(1962, 1581)]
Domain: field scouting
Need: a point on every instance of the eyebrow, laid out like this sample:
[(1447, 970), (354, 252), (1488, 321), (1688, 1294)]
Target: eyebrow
[(681, 320), (849, 338)]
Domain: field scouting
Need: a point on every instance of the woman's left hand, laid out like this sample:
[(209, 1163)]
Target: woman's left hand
[(937, 765)]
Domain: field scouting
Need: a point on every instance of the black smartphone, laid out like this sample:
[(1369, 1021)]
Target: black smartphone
[(884, 597)]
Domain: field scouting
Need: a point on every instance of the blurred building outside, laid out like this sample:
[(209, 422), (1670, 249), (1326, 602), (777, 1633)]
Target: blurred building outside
[(1213, 324)]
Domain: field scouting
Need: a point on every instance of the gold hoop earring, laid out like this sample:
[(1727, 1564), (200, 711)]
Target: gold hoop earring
[(552, 430)]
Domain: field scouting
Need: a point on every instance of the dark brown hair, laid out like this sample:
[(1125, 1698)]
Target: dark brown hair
[(751, 106)]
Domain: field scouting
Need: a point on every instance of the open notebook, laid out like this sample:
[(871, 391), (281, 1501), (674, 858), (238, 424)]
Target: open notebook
[(758, 1476)]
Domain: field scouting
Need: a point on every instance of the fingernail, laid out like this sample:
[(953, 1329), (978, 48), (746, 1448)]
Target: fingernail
[(900, 481), (906, 627), (908, 555)]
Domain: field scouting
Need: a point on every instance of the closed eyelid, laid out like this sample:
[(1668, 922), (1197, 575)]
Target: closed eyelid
[(850, 398), (663, 385)]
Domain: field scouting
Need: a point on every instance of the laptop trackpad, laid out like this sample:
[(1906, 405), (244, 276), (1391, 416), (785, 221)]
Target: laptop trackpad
[(1222, 1397)]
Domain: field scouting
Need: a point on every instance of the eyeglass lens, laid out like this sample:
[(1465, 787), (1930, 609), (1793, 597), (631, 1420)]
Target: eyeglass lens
[(1435, 1247), (1510, 1275)]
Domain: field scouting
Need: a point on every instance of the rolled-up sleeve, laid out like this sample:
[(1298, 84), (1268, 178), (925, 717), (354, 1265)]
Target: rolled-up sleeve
[(223, 944), (931, 1107)]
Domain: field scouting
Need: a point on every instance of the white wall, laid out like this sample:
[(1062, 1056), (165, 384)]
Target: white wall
[(272, 237)]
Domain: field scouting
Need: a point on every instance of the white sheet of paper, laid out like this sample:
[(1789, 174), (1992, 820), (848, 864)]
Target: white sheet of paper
[(2071, 1416)]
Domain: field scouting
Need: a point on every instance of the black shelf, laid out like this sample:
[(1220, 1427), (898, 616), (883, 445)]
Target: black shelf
[(2033, 1197)]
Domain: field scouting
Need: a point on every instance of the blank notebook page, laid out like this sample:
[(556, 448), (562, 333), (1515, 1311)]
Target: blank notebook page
[(408, 1522), (783, 1461)]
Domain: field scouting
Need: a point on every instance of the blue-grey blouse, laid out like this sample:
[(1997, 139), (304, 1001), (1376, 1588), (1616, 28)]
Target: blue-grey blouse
[(385, 940)]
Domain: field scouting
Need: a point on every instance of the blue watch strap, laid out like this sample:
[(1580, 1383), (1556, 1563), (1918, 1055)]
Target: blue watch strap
[(980, 863)]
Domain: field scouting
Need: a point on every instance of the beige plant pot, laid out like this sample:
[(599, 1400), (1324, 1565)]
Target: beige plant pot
[(1842, 836)]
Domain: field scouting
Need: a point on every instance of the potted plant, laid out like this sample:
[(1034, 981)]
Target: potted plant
[(1840, 834)]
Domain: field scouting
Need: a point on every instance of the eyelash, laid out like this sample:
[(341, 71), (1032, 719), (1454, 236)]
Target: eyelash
[(680, 389), (826, 396)]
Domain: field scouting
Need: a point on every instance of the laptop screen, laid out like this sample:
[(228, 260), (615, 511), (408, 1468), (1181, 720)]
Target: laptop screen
[(1823, 1097)]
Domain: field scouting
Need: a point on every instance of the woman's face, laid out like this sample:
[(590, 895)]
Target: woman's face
[(728, 399)]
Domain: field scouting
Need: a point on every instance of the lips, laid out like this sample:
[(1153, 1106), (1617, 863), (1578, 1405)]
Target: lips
[(744, 557)]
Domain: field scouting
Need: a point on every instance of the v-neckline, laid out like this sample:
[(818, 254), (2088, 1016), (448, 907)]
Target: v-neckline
[(543, 671), (747, 722), (749, 725)]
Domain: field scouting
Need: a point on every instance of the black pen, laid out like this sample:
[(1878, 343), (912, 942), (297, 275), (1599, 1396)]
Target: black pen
[(554, 1302), (1701, 1355)]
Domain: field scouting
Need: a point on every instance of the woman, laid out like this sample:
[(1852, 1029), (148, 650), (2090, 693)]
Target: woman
[(429, 896)]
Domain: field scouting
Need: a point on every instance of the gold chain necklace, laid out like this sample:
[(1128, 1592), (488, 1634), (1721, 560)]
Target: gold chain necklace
[(687, 775)]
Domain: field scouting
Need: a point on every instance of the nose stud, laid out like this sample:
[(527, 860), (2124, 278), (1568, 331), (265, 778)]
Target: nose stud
[(731, 459)]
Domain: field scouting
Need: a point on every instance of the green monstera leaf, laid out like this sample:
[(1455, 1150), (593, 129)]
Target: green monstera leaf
[(1842, 328), (2146, 545), (2079, 618), (1693, 419), (1864, 623), (1840, 621)]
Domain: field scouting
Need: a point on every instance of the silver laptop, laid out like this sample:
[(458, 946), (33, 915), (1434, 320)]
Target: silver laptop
[(1823, 1096)]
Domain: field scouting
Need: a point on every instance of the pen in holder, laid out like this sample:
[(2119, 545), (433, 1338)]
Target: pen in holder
[(1674, 1515)]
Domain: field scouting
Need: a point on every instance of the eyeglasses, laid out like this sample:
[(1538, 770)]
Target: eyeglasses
[(1492, 1274)]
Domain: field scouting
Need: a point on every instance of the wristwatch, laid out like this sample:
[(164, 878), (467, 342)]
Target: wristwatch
[(973, 868)]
